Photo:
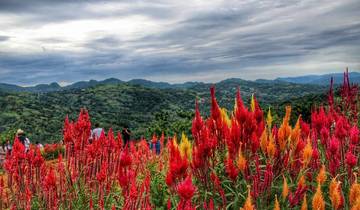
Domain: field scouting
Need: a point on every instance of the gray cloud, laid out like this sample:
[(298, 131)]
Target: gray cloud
[(247, 39), (4, 38)]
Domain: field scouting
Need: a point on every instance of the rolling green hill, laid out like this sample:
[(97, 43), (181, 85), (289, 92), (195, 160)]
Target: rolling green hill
[(145, 110)]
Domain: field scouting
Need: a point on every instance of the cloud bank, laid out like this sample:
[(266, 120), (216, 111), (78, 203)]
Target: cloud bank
[(42, 41)]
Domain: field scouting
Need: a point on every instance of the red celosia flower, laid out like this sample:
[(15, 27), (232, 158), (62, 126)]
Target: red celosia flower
[(91, 203), (197, 123), (186, 189), (305, 129), (215, 109), (334, 145), (178, 165), (211, 204), (354, 135), (350, 159), (101, 176), (324, 135), (255, 142), (18, 151), (125, 158), (169, 204), (50, 179), (38, 160), (28, 198), (133, 190), (342, 127), (1, 188), (169, 180), (233, 138), (231, 170), (268, 176), (295, 198)]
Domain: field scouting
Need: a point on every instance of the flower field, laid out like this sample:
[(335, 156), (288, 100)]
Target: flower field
[(233, 160)]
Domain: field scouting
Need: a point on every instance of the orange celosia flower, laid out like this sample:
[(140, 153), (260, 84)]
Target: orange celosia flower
[(307, 153), (354, 194), (287, 114), (356, 205), (277, 205), (304, 204), (264, 141), (334, 192), (301, 182), (321, 178), (248, 204), (295, 134), (284, 130), (241, 162), (175, 141), (318, 202), (271, 149), (285, 191)]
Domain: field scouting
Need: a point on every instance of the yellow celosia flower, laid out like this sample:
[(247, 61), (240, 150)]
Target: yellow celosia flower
[(271, 148), (185, 146), (318, 202), (277, 205), (269, 119), (285, 191), (252, 103), (241, 162), (307, 153), (354, 194), (321, 177), (264, 141), (248, 204), (334, 193), (304, 204), (225, 118)]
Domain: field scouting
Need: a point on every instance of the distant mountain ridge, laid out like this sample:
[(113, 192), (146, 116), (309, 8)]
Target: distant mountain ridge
[(321, 79), (38, 88), (52, 87)]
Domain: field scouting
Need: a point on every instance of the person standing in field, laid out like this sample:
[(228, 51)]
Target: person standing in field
[(96, 132), (23, 139), (126, 133), (39, 145)]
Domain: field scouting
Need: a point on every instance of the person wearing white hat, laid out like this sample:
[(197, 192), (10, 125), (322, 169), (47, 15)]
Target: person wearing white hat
[(23, 139)]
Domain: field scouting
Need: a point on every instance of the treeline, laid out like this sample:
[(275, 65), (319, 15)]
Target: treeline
[(144, 110)]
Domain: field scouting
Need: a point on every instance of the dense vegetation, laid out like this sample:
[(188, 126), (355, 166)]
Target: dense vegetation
[(145, 110)]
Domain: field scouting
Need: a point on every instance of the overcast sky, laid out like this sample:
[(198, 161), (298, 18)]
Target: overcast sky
[(43, 41)]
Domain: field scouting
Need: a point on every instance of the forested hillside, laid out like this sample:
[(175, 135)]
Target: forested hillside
[(145, 110)]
